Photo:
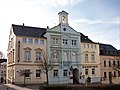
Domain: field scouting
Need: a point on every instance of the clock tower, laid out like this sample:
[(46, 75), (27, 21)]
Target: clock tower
[(63, 17)]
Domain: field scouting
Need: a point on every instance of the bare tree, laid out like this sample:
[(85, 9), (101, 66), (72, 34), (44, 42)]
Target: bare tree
[(24, 73), (45, 65)]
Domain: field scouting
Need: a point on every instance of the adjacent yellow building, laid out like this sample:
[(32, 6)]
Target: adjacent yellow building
[(90, 59), (24, 52)]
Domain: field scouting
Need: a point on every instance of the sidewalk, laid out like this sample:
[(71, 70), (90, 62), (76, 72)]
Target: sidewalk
[(15, 87)]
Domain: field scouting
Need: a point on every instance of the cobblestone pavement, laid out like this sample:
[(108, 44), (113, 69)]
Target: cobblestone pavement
[(15, 87)]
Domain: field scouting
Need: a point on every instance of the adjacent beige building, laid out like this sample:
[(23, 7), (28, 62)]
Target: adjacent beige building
[(90, 59), (24, 53), (110, 64)]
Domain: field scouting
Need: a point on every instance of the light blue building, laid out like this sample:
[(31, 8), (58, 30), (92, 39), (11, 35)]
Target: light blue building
[(63, 51)]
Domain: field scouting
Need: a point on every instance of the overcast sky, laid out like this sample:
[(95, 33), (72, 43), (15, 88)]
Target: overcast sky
[(97, 19)]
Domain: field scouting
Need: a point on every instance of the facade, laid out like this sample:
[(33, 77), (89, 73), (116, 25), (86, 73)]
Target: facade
[(63, 46), (3, 63), (110, 64), (24, 53), (90, 59)]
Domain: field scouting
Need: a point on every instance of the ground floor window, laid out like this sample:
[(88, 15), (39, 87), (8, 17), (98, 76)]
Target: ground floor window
[(27, 73), (37, 73), (65, 73), (86, 71), (55, 73)]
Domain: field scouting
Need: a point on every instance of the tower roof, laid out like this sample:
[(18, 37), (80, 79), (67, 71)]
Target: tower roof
[(63, 12)]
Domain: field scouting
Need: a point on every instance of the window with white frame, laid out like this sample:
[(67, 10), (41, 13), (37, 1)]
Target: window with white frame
[(65, 41), (30, 40), (74, 42), (73, 55), (86, 57), (105, 75), (55, 73), (92, 57), (65, 73), (38, 56), (65, 56), (93, 71), (24, 40), (27, 73), (27, 55), (41, 42), (55, 56), (35, 41), (55, 41), (86, 71), (38, 73)]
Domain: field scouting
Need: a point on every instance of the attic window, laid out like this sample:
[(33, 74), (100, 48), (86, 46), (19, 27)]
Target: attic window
[(64, 29)]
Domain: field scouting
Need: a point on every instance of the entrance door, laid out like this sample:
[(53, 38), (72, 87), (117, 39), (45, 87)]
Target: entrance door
[(75, 76)]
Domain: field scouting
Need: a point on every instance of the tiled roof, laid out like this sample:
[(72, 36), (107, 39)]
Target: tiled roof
[(21, 30), (107, 47), (85, 39)]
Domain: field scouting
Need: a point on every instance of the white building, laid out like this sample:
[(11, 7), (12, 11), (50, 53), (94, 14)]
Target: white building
[(63, 48)]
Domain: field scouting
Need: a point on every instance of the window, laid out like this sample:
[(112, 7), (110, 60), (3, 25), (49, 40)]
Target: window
[(38, 73), (92, 57), (74, 42), (84, 45), (55, 56), (94, 46), (118, 64), (91, 46), (55, 73), (55, 41), (36, 41), (105, 76), (86, 71), (24, 40), (27, 55), (65, 56), (104, 63), (118, 73), (65, 41), (38, 55), (30, 40), (65, 73), (73, 56), (114, 63), (88, 45), (114, 74), (27, 73), (41, 42), (109, 63), (64, 29), (93, 71), (86, 57)]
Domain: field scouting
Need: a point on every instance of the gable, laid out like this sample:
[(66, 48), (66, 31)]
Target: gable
[(61, 28)]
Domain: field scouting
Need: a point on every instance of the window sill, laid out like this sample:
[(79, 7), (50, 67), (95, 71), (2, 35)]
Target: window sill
[(27, 61)]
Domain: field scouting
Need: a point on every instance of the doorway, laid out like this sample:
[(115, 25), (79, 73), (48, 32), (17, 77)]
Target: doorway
[(75, 76)]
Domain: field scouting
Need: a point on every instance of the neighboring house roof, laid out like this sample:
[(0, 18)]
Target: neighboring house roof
[(107, 49), (85, 39), (21, 30), (3, 60)]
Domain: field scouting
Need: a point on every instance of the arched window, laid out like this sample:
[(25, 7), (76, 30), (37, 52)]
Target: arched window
[(73, 56), (65, 56)]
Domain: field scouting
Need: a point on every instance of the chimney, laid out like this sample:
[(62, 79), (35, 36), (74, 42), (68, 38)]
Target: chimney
[(47, 27)]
